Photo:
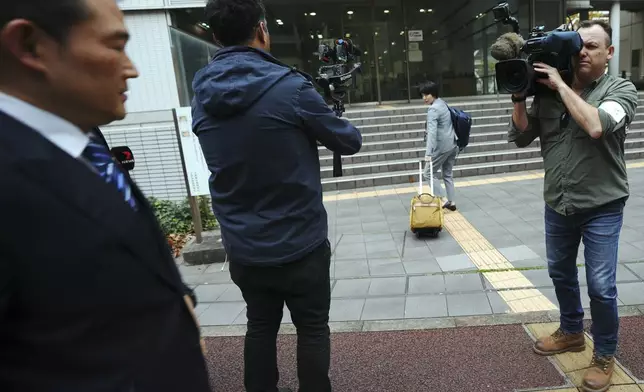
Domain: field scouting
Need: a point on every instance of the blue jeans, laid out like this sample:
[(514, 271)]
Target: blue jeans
[(599, 228)]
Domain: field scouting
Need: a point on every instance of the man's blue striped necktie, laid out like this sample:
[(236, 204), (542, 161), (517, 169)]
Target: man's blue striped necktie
[(101, 158)]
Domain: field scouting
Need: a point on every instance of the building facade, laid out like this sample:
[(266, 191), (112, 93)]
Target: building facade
[(404, 42)]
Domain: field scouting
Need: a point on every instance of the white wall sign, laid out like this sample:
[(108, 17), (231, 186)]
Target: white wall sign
[(414, 46), (415, 35), (195, 163), (415, 56)]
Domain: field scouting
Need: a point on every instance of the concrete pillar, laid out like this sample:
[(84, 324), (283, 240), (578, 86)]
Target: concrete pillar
[(615, 24)]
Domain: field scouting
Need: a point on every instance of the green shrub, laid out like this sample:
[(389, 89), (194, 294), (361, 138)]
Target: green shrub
[(175, 217)]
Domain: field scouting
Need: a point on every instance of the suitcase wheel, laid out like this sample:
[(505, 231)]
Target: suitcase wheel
[(433, 233)]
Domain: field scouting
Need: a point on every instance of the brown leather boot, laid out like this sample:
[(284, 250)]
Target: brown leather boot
[(597, 377), (560, 342)]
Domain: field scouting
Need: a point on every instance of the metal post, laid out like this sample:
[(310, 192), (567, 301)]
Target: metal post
[(196, 218), (563, 12), (375, 51), (615, 24), (406, 30), (343, 35), (486, 75), (192, 200)]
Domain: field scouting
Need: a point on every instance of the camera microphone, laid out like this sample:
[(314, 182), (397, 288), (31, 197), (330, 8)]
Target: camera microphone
[(124, 156), (507, 47)]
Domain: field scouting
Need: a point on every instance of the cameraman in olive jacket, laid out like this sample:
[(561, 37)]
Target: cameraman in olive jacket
[(582, 129)]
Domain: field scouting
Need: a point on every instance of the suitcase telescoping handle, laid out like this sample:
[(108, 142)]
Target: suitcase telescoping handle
[(420, 177)]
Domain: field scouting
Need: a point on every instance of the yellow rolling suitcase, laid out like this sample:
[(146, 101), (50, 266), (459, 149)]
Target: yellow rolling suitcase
[(426, 213)]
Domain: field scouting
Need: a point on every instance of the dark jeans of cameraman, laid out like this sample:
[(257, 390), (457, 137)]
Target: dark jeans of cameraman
[(305, 287), (599, 229)]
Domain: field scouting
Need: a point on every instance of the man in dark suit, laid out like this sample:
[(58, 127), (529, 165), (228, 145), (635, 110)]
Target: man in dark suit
[(90, 297)]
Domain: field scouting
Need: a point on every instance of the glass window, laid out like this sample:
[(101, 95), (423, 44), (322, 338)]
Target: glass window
[(404, 42), (192, 49), (298, 29), (449, 44), (548, 13), (391, 49), (190, 54), (357, 25)]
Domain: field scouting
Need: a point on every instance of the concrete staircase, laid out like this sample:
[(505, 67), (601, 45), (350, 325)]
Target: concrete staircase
[(393, 144)]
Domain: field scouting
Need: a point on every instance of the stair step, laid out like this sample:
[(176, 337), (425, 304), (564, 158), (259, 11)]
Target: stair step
[(381, 137), (416, 125), (418, 109), (392, 137), (393, 144), (382, 158), (495, 147), (398, 118), (478, 122), (477, 135), (418, 144), (411, 175)]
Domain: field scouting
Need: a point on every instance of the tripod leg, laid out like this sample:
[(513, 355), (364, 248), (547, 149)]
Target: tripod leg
[(338, 108), (337, 165)]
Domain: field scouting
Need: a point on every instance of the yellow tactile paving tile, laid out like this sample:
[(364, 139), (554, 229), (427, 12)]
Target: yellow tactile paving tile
[(508, 280), (527, 300), (615, 388), (619, 378), (626, 388), (575, 364), (555, 390), (488, 259)]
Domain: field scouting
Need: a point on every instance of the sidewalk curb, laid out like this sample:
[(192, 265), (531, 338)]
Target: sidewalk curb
[(422, 324)]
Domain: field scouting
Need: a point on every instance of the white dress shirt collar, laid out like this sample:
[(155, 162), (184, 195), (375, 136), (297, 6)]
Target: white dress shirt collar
[(57, 130)]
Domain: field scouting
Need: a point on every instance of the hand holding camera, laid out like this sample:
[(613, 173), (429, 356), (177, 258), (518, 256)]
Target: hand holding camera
[(553, 79)]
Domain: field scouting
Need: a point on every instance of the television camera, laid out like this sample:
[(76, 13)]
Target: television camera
[(337, 78), (514, 70)]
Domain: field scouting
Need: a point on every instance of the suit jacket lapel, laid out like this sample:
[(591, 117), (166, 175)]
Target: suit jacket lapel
[(164, 248), (81, 189)]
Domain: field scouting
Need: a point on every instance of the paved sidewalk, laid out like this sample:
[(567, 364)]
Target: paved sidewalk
[(451, 314), (490, 259)]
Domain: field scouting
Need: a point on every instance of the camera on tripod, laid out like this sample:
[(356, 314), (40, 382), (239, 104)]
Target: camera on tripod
[(337, 78), (515, 74)]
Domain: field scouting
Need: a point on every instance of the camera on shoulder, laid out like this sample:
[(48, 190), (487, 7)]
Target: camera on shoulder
[(515, 73)]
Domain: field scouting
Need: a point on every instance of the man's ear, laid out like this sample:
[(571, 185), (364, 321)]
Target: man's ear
[(262, 32), (25, 42), (611, 52)]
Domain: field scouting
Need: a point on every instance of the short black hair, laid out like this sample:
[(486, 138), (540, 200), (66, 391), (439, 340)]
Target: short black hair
[(428, 88), (234, 22), (584, 24), (55, 17)]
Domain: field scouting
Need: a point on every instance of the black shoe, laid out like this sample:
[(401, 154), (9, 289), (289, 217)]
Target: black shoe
[(450, 206)]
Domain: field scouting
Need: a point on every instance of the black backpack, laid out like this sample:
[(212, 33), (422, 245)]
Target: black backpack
[(462, 123)]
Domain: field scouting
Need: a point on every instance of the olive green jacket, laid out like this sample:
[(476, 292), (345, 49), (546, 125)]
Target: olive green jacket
[(582, 173)]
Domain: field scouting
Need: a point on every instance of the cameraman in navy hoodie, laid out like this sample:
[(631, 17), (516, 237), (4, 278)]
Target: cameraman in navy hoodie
[(259, 122)]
